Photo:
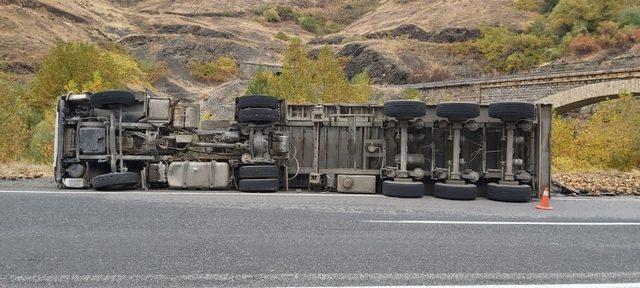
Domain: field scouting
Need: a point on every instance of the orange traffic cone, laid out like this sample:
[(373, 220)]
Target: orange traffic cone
[(544, 202)]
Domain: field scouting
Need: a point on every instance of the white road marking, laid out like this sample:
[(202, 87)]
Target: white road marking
[(506, 223), (613, 285), (274, 279)]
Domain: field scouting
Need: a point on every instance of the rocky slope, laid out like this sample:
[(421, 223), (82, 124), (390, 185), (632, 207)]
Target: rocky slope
[(177, 31)]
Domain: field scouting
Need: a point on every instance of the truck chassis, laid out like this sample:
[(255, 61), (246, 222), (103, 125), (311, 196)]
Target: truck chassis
[(121, 140)]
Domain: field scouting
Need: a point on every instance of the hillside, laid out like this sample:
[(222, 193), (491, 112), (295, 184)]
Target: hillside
[(397, 42)]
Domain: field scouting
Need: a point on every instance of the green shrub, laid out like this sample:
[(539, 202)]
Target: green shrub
[(153, 70), (282, 36), (310, 23), (548, 6), (411, 94), (286, 13), (271, 15), (258, 10), (220, 70), (330, 27), (629, 17), (512, 52), (529, 5), (583, 46)]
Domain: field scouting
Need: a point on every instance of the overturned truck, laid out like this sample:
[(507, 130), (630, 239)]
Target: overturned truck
[(120, 139)]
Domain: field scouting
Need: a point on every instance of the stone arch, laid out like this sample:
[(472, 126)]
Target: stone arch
[(589, 94)]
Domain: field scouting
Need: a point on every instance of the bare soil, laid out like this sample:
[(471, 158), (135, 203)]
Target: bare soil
[(21, 171), (599, 183)]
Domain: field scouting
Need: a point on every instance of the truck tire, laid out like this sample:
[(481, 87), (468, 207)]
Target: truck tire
[(114, 97), (257, 101), (115, 181), (509, 193), (455, 191), (404, 109), (512, 111), (403, 189), (259, 172), (259, 185), (258, 115), (458, 111)]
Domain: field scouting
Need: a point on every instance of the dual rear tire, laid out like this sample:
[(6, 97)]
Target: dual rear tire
[(455, 191), (257, 109), (509, 193), (403, 189), (259, 178)]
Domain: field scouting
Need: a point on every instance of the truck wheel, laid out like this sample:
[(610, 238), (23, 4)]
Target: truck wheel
[(512, 111), (455, 191), (257, 101), (258, 172), (404, 109), (259, 185), (115, 181), (258, 115), (403, 189), (114, 97), (509, 193), (458, 111)]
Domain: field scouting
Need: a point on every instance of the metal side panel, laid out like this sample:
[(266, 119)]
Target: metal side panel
[(543, 148)]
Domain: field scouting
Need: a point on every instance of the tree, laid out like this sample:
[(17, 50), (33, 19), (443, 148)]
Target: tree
[(610, 139), (361, 88), (330, 80), (305, 80), (73, 67), (13, 123), (295, 83), (81, 66), (261, 82)]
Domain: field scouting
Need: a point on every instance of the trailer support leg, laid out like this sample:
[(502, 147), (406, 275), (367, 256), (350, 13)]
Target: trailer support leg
[(455, 166), (508, 174)]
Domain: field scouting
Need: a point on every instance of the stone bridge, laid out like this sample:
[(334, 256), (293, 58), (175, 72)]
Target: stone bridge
[(565, 90)]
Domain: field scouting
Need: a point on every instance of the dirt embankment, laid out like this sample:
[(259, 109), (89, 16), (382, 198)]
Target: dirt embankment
[(18, 171), (598, 183)]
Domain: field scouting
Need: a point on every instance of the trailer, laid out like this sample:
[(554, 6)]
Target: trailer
[(121, 140)]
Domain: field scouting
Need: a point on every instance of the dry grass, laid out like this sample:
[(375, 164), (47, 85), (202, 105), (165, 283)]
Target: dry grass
[(439, 14), (20, 170)]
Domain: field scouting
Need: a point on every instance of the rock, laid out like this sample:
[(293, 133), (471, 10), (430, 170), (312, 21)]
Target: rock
[(328, 40), (451, 35), (382, 70), (412, 31), (192, 30), (20, 68), (599, 183)]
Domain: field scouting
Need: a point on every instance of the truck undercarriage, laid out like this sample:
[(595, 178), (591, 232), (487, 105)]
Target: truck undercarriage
[(120, 139)]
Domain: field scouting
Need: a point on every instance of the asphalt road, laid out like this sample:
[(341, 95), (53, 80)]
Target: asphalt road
[(73, 238)]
